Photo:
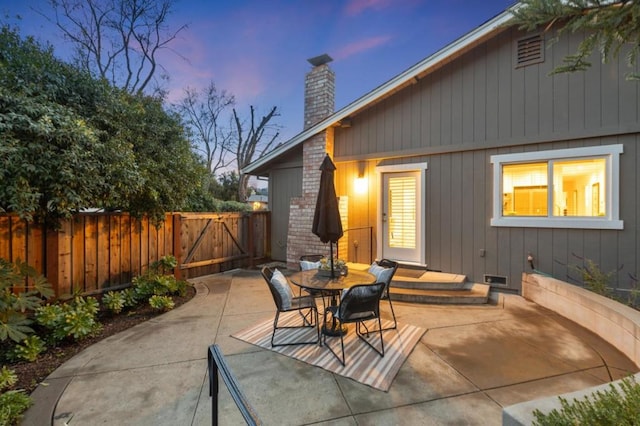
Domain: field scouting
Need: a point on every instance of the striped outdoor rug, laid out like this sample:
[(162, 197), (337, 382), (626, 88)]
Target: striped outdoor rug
[(362, 363)]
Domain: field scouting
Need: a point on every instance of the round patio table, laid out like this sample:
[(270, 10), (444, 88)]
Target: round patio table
[(315, 280)]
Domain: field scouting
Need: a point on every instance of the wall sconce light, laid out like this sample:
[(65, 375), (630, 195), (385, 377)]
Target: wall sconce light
[(360, 183)]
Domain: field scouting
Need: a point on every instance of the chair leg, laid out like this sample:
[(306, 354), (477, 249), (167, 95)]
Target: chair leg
[(314, 312), (324, 342), (395, 323), (364, 336)]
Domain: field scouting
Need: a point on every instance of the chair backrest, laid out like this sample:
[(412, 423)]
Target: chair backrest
[(361, 301), (387, 263), (311, 257), (310, 261), (267, 274)]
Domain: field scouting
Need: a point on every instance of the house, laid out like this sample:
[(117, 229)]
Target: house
[(474, 161)]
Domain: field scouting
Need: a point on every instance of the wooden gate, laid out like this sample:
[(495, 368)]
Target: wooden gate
[(208, 243)]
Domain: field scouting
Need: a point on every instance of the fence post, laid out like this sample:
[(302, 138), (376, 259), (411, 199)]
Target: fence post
[(177, 245), (52, 258), (251, 235)]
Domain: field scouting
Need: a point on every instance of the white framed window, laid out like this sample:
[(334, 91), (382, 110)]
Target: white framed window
[(564, 188)]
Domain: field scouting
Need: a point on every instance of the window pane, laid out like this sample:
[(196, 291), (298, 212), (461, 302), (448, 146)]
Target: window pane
[(524, 189), (579, 188), (402, 212)]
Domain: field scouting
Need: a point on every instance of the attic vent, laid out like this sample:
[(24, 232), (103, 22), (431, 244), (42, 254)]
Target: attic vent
[(530, 51)]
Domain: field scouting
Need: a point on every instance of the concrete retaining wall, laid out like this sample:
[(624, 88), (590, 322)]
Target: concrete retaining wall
[(612, 321)]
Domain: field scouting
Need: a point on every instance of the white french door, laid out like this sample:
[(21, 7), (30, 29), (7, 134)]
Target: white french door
[(402, 216)]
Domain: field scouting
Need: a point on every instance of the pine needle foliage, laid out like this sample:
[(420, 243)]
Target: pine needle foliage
[(610, 28)]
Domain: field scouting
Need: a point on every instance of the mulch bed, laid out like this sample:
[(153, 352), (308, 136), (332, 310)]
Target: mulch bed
[(30, 374)]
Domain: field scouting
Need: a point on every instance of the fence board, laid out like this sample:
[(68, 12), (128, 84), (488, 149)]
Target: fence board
[(5, 237), (103, 252), (125, 249), (91, 253), (78, 253), (65, 272), (114, 251)]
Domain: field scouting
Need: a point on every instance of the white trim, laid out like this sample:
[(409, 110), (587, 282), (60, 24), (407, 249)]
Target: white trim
[(610, 221), (409, 167)]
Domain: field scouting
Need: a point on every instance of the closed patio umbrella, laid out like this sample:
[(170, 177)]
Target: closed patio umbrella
[(326, 218)]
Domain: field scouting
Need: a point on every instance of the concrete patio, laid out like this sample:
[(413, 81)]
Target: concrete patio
[(471, 362)]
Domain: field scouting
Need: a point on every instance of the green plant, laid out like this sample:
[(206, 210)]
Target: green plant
[(14, 304), (12, 402), (75, 319), (28, 349), (156, 282), (114, 301), (161, 303), (129, 297), (596, 280), (609, 407)]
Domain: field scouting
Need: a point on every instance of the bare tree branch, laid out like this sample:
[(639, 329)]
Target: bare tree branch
[(246, 146), (203, 115), (118, 40)]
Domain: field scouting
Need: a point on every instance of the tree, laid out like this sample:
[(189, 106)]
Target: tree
[(610, 27), (249, 143), (118, 40), (203, 116)]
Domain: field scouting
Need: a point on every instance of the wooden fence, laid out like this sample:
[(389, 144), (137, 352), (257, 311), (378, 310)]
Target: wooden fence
[(94, 252)]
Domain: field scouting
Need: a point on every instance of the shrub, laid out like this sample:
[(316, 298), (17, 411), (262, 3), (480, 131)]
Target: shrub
[(129, 297), (14, 323), (28, 349), (608, 407), (161, 303), (75, 319), (12, 402), (155, 282), (596, 280), (114, 301)]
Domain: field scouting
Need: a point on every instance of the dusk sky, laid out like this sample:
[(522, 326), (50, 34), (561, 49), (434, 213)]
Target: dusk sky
[(257, 50)]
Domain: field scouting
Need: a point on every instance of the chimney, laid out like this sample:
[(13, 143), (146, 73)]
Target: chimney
[(319, 91)]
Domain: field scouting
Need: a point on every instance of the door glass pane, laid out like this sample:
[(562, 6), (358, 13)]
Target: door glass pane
[(402, 212), (579, 187), (524, 189)]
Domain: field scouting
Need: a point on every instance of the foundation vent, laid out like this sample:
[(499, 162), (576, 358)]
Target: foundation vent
[(495, 280)]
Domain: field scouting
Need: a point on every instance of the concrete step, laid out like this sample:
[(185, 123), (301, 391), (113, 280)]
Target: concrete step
[(429, 280), (418, 285), (470, 293)]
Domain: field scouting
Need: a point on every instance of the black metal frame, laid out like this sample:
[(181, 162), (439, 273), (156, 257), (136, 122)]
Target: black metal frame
[(356, 308), (387, 263), (217, 364)]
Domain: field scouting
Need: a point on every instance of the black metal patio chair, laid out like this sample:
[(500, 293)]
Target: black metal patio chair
[(308, 262), (286, 302), (359, 304), (384, 270)]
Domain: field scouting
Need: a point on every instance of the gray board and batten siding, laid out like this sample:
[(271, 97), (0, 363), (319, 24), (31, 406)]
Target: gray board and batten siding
[(481, 104), (285, 183)]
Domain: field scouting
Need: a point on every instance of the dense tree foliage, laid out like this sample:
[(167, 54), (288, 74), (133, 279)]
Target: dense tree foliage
[(610, 27), (70, 142)]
